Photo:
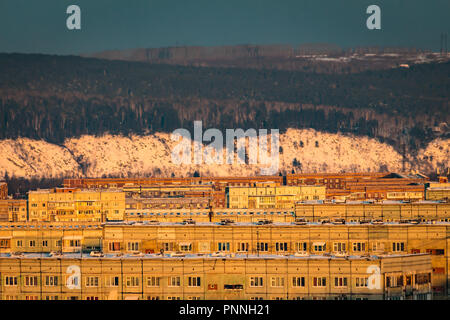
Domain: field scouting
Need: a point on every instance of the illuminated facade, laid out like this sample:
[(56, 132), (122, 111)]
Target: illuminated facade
[(271, 196), (76, 205), (192, 277)]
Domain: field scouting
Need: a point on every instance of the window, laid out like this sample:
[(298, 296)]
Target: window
[(92, 282), (281, 246), (174, 281), (398, 246), (359, 246), (233, 286), (31, 281), (423, 278), (173, 298), (377, 246), (32, 243), (319, 282), (51, 281), (58, 243), (339, 247), (91, 298), (152, 297), (10, 281), (394, 281), (75, 243), (51, 298), (223, 246), (194, 282), (112, 281), (256, 281), (133, 246), (256, 298), (31, 297), (185, 247), (277, 282), (167, 246), (45, 243), (132, 281), (262, 246), (301, 246), (298, 281), (361, 282), (436, 251), (114, 246), (19, 243), (340, 282), (243, 247), (153, 281), (319, 246)]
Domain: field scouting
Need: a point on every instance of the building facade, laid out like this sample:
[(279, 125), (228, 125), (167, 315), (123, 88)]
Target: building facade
[(76, 205), (193, 277), (267, 196)]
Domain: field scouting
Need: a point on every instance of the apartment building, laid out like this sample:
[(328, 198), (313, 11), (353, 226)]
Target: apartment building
[(3, 190), (172, 196), (44, 237), (65, 204), (287, 239), (218, 184), (194, 277), (209, 215), (438, 191), (239, 238), (387, 211), (267, 196)]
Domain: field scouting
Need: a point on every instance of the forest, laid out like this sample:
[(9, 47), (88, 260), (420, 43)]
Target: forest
[(55, 97)]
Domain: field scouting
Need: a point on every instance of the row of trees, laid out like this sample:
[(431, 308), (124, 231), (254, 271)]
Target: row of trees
[(53, 98)]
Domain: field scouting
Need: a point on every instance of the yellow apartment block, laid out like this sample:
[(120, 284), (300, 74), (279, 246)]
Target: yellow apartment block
[(271, 196), (17, 210), (76, 205), (48, 237), (209, 215), (438, 191), (386, 211), (424, 211), (193, 277), (287, 239), (13, 210), (239, 238)]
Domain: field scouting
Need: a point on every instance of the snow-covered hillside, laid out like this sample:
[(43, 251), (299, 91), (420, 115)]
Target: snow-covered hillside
[(303, 150), (36, 158)]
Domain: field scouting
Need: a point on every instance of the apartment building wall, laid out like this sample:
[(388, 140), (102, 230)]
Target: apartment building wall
[(388, 211), (441, 192), (45, 238), (209, 215), (287, 239), (78, 205), (279, 197), (194, 277), (3, 190), (17, 210), (4, 204)]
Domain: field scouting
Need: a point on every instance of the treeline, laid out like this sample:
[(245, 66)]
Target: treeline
[(19, 186), (55, 97)]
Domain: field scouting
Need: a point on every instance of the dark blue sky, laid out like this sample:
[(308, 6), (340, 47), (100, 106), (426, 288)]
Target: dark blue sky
[(40, 26)]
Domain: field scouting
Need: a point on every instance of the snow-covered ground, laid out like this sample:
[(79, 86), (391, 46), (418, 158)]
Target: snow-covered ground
[(151, 155)]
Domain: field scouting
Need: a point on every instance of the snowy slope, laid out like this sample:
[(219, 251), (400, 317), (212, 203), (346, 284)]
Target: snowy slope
[(151, 155), (32, 158)]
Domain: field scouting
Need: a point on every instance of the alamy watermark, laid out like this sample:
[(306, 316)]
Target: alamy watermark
[(374, 280), (252, 147)]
